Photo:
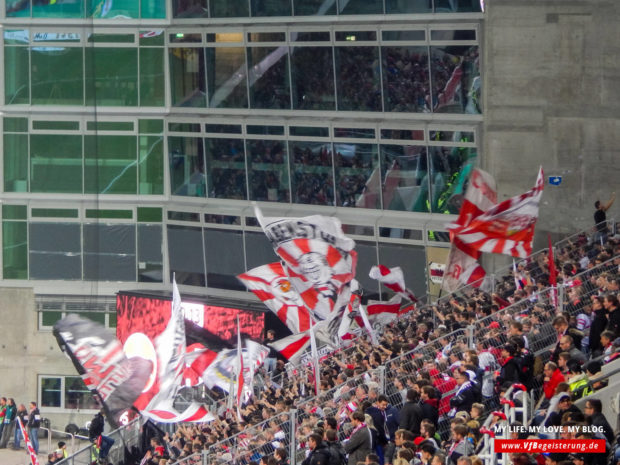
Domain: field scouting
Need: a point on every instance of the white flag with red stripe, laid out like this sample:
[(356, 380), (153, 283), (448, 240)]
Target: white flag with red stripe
[(318, 258), (240, 380), (507, 228), (383, 313), (31, 452), (164, 412), (271, 285), (393, 279), (462, 266)]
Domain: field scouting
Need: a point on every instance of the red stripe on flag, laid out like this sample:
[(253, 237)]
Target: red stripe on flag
[(286, 257), (294, 347), (303, 245), (333, 256)]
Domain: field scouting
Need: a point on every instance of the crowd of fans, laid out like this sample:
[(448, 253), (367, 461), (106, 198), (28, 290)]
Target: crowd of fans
[(422, 395)]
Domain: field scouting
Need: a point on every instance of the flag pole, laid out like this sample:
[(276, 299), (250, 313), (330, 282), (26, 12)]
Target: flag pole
[(240, 380), (315, 358)]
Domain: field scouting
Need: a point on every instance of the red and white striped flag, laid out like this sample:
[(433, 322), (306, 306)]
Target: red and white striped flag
[(507, 228), (319, 259), (383, 313), (315, 360), (271, 285), (240, 370), (33, 455), (462, 266), (393, 279), (553, 275)]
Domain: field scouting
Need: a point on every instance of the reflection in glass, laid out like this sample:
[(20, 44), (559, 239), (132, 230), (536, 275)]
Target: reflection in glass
[(360, 7), (15, 162), (107, 9), (15, 249), (408, 6), (357, 175), (226, 77), (111, 76), (269, 77), (109, 252), (186, 256), (404, 175), (152, 80), (268, 169), (313, 7), (110, 165), (187, 77), (456, 79), (224, 256), (229, 8), (405, 79), (313, 78), (16, 72), (55, 251), (51, 394), (311, 171), (187, 166), (151, 165), (271, 7), (57, 76), (56, 163), (357, 78), (455, 6), (150, 260), (77, 395), (450, 170), (155, 9), (226, 168)]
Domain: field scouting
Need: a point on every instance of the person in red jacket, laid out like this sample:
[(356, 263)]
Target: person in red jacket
[(553, 377)]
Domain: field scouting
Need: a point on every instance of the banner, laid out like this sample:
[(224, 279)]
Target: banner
[(33, 455)]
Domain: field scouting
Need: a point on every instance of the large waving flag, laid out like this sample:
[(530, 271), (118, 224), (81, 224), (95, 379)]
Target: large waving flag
[(318, 258), (271, 285), (507, 228), (462, 266), (393, 279), (240, 374)]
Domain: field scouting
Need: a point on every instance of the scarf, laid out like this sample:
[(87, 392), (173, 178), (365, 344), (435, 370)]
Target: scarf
[(356, 429)]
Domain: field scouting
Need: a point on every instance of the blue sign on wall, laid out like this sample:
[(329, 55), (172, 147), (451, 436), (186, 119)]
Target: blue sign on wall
[(555, 180)]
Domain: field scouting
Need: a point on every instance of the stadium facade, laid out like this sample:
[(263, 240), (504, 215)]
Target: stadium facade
[(138, 134)]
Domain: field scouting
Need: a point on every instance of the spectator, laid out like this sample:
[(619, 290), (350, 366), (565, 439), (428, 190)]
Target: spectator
[(459, 446), (359, 444), (411, 413), (600, 218), (553, 377), (319, 452), (594, 415)]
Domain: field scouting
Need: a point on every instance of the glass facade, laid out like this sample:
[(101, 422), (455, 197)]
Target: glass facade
[(177, 115)]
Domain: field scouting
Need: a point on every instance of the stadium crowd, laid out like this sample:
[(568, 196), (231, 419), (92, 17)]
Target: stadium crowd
[(426, 392)]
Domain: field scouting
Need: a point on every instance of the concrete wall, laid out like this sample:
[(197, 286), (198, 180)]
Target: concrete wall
[(26, 352), (552, 98)]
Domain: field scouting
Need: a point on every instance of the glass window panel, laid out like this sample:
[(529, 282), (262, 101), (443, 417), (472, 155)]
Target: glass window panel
[(108, 213), (357, 175), (268, 170), (451, 136), (56, 125), (152, 38), (97, 317), (182, 37), (229, 8), (14, 212), (453, 34), (266, 36), (183, 127), (402, 134), (271, 7), (438, 236), (56, 163), (111, 320), (313, 7), (224, 37), (185, 249), (312, 173), (404, 35), (401, 233), (187, 77), (187, 166), (412, 260), (55, 213), (155, 9), (309, 131), (265, 130), (150, 126), (408, 6), (358, 230), (405, 79), (77, 395), (18, 8), (151, 165), (190, 9), (15, 250), (252, 221), (150, 260), (152, 82), (313, 78), (404, 177), (456, 79), (57, 76), (109, 252), (111, 38), (357, 133), (223, 128), (56, 37), (225, 260), (310, 36), (62, 9), (360, 7), (222, 219), (258, 249), (352, 36), (110, 165), (450, 6), (184, 216), (118, 8), (15, 163), (111, 76), (16, 75), (366, 259), (16, 36), (51, 392), (226, 77), (50, 318), (358, 79), (226, 168), (450, 170), (109, 126), (55, 251), (15, 124), (150, 214), (269, 77)]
